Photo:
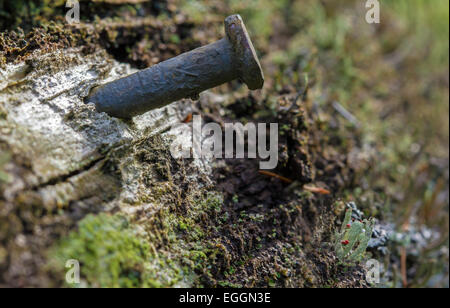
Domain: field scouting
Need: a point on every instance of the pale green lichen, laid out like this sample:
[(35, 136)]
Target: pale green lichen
[(352, 240)]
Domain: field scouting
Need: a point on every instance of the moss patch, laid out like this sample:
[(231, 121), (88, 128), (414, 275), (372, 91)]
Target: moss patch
[(114, 253)]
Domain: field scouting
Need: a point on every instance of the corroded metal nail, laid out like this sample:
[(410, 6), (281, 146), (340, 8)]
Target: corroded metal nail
[(184, 76)]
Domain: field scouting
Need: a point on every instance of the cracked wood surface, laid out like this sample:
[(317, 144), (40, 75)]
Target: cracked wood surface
[(60, 153), (48, 124)]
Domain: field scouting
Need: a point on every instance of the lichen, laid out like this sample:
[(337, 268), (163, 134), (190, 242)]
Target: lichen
[(352, 240)]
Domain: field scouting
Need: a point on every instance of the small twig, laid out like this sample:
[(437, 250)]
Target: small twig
[(403, 267), (274, 175), (346, 114), (317, 190)]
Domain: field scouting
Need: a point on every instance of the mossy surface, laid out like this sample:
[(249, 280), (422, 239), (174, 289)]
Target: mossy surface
[(114, 253)]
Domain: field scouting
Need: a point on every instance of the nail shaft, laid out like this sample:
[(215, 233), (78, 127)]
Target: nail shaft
[(184, 76)]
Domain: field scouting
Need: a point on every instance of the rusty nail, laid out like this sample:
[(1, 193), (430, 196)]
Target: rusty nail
[(184, 76)]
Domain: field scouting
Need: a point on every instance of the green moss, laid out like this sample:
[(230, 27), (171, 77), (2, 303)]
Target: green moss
[(212, 202), (4, 158), (227, 284), (114, 253)]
